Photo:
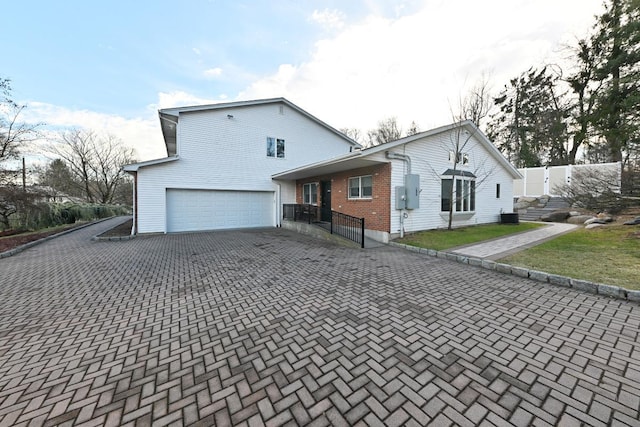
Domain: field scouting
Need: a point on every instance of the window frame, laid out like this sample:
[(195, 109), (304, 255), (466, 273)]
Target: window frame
[(275, 148), (304, 198), (462, 158), (360, 188), (464, 194)]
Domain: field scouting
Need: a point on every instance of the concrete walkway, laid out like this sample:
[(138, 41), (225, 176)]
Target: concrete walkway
[(503, 246)]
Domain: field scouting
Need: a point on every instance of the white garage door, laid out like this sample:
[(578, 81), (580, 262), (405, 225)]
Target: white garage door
[(193, 210)]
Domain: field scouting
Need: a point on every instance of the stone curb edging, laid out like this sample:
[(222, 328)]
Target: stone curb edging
[(97, 238), (26, 246), (539, 276), (112, 238)]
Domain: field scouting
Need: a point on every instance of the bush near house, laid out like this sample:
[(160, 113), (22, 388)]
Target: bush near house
[(45, 215)]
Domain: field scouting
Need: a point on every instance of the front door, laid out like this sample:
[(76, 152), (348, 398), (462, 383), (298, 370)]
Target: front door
[(325, 201)]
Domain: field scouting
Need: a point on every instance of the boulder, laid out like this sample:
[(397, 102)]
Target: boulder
[(575, 213), (556, 216), (605, 217), (579, 219), (594, 225), (526, 199), (595, 221), (520, 205), (635, 221)]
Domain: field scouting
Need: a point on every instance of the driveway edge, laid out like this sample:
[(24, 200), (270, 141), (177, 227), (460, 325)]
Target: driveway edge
[(539, 276), (26, 246)]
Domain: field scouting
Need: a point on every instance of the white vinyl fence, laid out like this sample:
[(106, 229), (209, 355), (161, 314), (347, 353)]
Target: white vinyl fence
[(544, 180)]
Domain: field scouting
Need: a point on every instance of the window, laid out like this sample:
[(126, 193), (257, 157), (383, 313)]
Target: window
[(361, 187), (310, 193), (462, 157), (497, 191), (464, 195), (445, 198), (275, 147)]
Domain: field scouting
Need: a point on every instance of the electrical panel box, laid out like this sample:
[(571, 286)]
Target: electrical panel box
[(401, 198), (412, 191)]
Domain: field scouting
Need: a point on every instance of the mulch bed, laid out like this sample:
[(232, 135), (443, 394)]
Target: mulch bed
[(8, 243), (122, 230)]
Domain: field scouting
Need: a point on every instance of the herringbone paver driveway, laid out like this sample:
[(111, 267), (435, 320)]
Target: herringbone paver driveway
[(270, 327)]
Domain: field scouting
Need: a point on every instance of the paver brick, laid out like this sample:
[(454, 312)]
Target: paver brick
[(268, 327)]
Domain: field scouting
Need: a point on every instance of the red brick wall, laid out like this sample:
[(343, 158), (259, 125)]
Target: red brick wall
[(376, 210)]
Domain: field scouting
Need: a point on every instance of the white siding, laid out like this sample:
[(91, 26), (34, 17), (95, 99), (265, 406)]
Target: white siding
[(221, 153), (430, 158)]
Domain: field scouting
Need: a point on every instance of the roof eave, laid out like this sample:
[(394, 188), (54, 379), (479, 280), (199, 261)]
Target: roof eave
[(134, 167)]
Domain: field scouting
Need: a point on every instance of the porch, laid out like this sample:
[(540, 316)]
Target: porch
[(333, 222)]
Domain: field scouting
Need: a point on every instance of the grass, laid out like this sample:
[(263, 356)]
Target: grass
[(447, 239), (608, 255)]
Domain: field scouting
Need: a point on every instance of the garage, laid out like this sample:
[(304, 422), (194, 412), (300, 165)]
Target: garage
[(195, 210)]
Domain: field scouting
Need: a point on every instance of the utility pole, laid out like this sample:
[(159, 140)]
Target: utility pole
[(24, 176)]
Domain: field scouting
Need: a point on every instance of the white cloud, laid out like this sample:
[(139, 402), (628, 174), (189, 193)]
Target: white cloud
[(213, 72), (180, 99), (328, 18), (415, 66), (142, 134), (196, 50), (412, 66)]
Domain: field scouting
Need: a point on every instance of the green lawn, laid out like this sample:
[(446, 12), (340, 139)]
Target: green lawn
[(447, 239), (608, 255)]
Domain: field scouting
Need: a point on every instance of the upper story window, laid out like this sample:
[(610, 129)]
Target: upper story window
[(361, 187), (275, 147), (461, 158)]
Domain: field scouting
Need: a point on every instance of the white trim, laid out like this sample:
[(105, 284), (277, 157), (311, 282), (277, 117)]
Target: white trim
[(135, 166), (360, 187)]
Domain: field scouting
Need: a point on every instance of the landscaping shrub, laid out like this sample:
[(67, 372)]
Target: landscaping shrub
[(44, 215)]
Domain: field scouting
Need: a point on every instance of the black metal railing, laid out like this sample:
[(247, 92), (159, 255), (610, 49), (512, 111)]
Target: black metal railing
[(348, 226), (344, 225), (301, 213)]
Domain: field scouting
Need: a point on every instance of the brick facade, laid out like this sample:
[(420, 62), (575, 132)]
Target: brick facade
[(376, 210)]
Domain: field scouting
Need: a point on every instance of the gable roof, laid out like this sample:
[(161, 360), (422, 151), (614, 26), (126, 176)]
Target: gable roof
[(363, 157), (169, 118)]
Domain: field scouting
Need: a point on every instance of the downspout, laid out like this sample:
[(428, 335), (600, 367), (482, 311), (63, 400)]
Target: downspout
[(405, 158), (134, 228), (279, 206)]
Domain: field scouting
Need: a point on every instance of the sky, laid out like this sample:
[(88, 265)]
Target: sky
[(109, 66)]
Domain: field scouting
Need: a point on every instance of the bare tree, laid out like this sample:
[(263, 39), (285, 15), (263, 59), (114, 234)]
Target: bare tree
[(15, 202), (388, 130), (467, 173), (353, 133), (476, 104), (58, 179), (413, 129), (14, 135), (596, 190), (95, 162)]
